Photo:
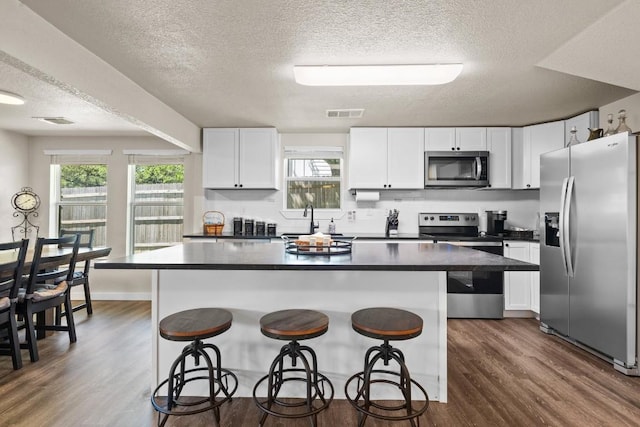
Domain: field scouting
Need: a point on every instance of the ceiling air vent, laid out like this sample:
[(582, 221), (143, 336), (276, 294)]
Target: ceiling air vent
[(54, 120), (349, 113)]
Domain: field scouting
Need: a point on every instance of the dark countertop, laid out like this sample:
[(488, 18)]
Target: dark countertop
[(364, 236), (521, 239), (258, 255)]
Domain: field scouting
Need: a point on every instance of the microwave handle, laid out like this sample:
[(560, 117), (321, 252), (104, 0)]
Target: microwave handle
[(478, 163)]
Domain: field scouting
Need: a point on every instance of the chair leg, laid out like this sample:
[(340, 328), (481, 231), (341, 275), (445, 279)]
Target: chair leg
[(14, 342), (58, 316), (30, 335), (69, 316), (87, 296)]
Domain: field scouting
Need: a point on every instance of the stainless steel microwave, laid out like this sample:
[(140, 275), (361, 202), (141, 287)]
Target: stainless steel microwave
[(456, 169)]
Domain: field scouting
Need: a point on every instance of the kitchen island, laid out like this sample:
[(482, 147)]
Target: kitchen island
[(251, 279)]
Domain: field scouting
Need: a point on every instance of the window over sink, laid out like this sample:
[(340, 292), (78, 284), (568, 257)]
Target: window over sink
[(313, 175)]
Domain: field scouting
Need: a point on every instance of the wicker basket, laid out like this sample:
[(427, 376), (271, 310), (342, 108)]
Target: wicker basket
[(213, 222)]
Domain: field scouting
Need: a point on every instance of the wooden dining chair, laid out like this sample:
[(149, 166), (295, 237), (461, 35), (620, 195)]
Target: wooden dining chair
[(45, 290), (12, 257), (81, 270)]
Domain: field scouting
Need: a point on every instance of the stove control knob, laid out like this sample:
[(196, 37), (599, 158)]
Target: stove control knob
[(466, 218), (431, 218)]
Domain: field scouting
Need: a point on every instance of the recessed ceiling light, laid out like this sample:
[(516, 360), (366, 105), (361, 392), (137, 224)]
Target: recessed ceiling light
[(10, 98), (376, 75), (54, 120)]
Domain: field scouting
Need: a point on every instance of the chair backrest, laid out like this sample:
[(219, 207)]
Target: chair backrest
[(12, 257), (53, 258), (86, 237)]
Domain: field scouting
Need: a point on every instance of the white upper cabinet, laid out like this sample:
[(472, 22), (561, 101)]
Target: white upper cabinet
[(499, 147), (405, 160), (386, 158), (582, 122), (534, 141), (439, 139), (240, 158), (368, 158), (456, 139), (471, 139)]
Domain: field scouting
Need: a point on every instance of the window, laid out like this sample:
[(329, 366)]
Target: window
[(81, 198), (156, 202), (313, 175)]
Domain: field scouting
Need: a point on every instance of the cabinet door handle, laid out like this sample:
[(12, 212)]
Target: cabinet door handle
[(528, 185), (458, 148), (506, 244), (235, 185), (240, 185), (389, 185), (453, 148)]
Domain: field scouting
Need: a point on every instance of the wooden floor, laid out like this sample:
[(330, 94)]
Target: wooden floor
[(501, 373)]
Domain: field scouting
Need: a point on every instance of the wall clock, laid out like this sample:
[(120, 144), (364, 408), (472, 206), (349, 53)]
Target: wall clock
[(26, 204)]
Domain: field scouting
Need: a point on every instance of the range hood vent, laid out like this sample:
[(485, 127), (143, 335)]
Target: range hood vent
[(349, 113), (54, 120)]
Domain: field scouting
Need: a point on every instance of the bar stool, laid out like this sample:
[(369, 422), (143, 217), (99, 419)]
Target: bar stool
[(195, 325), (294, 326), (388, 324)]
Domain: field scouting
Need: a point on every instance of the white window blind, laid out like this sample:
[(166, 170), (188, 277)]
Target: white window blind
[(78, 157), (155, 157)]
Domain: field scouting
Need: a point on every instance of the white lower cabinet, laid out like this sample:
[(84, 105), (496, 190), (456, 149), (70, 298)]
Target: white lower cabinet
[(534, 253), (517, 284), (522, 288)]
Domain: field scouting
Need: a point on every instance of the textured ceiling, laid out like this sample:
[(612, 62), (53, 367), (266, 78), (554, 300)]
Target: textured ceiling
[(229, 62)]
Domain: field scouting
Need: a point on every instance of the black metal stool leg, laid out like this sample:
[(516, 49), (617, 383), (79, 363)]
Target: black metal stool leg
[(175, 382), (277, 376), (385, 353)]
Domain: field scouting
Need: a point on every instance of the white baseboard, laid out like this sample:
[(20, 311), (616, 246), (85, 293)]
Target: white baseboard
[(78, 294), (519, 313)]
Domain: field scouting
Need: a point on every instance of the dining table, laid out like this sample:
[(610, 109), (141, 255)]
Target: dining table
[(84, 254)]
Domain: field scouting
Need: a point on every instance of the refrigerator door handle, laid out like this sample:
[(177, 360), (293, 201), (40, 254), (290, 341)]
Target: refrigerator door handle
[(567, 227), (561, 224)]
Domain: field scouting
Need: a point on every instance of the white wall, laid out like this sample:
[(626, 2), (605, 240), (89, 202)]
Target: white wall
[(107, 284), (14, 164), (267, 205)]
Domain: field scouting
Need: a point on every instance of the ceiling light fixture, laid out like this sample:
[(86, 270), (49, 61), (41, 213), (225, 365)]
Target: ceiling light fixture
[(10, 98), (54, 120), (376, 75)]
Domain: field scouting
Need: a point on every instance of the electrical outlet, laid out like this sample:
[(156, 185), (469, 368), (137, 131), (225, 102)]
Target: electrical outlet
[(351, 216)]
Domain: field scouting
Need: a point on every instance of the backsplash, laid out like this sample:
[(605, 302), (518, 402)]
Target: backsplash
[(267, 205)]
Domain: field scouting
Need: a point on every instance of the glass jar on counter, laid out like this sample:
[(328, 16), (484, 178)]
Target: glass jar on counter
[(248, 227)]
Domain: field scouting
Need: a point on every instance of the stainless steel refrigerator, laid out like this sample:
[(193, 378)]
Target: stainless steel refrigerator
[(588, 247)]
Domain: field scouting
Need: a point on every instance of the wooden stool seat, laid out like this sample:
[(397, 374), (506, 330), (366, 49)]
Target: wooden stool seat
[(296, 324), (391, 324), (198, 323)]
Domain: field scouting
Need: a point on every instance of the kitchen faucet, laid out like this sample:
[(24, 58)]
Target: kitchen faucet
[(312, 227)]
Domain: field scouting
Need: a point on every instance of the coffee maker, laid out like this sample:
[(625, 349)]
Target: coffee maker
[(495, 222)]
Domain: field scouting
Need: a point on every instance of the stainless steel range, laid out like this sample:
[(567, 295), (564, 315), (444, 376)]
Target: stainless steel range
[(470, 294)]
